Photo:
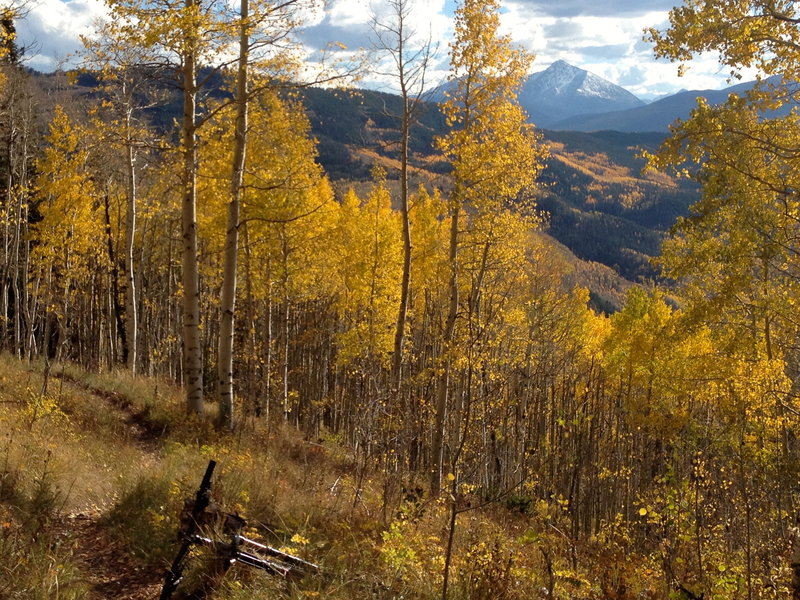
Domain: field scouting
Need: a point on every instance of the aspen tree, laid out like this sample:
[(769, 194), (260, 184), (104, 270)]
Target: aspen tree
[(67, 252), (410, 58), (229, 274), (761, 34), (185, 34), (367, 272), (493, 151), (283, 199), (736, 255), (747, 163), (266, 29), (126, 73), (17, 122)]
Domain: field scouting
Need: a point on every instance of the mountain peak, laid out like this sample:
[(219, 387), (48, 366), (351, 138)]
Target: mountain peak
[(559, 77), (563, 90), (562, 65)]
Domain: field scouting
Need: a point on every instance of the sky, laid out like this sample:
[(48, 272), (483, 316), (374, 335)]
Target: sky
[(601, 36)]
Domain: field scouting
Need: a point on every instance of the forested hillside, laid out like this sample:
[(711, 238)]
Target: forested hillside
[(592, 193), (403, 378)]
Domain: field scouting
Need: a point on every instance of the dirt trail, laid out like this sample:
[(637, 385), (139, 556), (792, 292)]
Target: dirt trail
[(109, 570)]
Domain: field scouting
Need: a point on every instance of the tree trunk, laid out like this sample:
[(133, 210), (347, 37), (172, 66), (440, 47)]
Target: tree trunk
[(228, 296), (437, 446), (115, 308), (131, 312), (399, 336), (192, 348)]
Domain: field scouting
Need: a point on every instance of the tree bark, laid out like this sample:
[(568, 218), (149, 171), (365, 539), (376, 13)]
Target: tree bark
[(228, 296), (399, 336), (131, 312), (192, 347)]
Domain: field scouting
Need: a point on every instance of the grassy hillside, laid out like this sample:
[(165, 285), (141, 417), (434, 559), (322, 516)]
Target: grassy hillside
[(94, 470)]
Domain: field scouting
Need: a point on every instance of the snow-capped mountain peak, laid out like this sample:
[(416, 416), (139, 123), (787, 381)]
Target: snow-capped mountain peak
[(557, 76), (563, 90)]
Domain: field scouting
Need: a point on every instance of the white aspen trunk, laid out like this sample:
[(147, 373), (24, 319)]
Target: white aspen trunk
[(192, 347), (131, 312), (228, 295), (6, 233), (285, 326)]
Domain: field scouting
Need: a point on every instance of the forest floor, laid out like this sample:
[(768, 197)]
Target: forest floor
[(108, 570), (95, 468)]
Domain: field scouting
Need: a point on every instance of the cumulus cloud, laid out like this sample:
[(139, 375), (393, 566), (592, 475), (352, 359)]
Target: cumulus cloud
[(602, 37), (591, 8), (51, 30)]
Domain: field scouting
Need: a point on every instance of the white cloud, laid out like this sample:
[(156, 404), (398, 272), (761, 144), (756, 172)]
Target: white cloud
[(344, 13), (351, 22), (602, 37), (51, 30)]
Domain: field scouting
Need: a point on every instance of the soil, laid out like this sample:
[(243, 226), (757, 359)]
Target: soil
[(111, 572)]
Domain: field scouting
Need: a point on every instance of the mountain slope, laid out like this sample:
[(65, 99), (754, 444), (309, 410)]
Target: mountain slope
[(563, 91), (598, 203), (656, 116)]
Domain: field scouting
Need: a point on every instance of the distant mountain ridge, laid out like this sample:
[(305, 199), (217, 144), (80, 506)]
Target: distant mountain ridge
[(656, 116), (563, 97), (562, 91)]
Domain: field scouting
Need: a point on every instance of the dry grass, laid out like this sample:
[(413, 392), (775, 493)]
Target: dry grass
[(118, 455)]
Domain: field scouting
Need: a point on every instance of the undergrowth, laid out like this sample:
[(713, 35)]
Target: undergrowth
[(37, 562), (122, 451)]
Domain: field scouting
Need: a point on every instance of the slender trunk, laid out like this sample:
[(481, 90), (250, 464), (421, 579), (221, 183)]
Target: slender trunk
[(285, 325), (192, 348), (268, 345), (19, 272), (250, 346), (116, 309), (22, 241), (228, 296), (131, 312), (399, 336), (451, 534), (4, 299), (437, 446)]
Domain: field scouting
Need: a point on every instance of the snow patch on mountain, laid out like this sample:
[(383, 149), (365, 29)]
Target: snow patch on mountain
[(563, 90)]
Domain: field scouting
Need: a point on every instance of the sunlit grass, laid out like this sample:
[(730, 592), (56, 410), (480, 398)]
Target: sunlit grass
[(70, 447)]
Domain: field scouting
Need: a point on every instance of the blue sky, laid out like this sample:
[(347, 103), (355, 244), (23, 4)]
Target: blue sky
[(604, 37)]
